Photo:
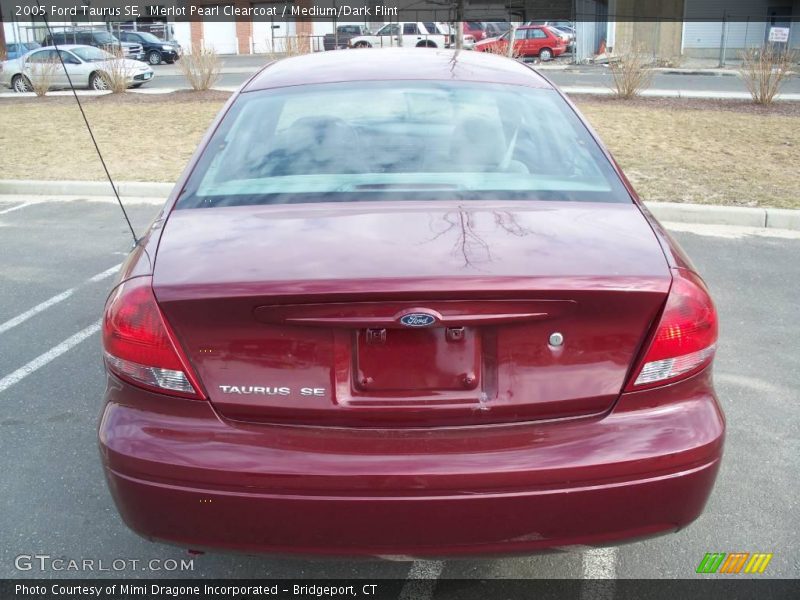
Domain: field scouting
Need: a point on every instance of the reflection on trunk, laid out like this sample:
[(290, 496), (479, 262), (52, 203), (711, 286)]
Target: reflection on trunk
[(469, 244)]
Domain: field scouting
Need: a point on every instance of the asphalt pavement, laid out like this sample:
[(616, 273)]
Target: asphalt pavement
[(58, 260)]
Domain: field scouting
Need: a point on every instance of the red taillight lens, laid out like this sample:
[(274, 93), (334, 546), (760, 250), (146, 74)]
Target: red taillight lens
[(686, 336), (139, 346)]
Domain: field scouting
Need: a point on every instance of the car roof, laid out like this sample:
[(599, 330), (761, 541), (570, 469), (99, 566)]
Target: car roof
[(395, 64), (62, 47)]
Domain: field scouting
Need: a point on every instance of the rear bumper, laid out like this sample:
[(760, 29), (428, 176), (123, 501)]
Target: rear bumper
[(178, 473)]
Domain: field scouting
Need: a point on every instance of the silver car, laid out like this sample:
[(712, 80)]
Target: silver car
[(87, 66)]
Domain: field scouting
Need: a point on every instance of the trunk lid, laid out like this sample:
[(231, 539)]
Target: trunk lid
[(411, 314)]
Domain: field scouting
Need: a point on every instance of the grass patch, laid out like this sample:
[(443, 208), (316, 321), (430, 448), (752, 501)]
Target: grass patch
[(678, 151), (746, 158), (146, 138)]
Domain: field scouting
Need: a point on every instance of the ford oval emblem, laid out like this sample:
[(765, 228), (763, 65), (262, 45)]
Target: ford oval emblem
[(417, 319)]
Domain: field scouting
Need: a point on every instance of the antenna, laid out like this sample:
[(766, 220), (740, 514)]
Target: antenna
[(85, 120)]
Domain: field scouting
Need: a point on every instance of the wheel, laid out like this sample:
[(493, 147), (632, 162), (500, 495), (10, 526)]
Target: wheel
[(98, 81), (545, 54), (154, 57), (137, 85), (426, 44), (362, 45), (21, 84)]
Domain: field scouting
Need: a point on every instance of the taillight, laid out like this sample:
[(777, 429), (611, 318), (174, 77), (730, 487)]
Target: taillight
[(139, 346), (685, 340)]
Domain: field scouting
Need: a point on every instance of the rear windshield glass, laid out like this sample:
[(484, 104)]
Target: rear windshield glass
[(400, 141)]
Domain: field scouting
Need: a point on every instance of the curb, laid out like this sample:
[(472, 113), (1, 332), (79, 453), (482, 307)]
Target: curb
[(135, 189), (660, 93), (700, 71), (703, 214), (567, 89)]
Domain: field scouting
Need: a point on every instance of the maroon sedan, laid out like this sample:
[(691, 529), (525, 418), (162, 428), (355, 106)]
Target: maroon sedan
[(352, 331)]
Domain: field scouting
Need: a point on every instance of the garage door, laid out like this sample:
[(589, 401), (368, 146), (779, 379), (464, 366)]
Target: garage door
[(221, 36), (269, 36)]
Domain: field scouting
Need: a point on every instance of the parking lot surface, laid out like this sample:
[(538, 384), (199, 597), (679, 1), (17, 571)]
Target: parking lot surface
[(58, 262)]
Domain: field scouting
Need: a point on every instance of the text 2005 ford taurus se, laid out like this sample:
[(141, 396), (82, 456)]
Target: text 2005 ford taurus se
[(405, 303)]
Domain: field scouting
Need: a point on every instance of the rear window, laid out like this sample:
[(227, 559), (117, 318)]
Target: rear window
[(398, 140)]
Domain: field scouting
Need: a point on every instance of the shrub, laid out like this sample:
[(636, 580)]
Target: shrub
[(43, 74), (200, 68), (630, 72), (291, 45), (764, 70), (504, 50), (118, 72)]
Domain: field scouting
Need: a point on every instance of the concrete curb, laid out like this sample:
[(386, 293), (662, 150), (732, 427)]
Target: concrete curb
[(659, 93), (139, 189), (704, 214), (567, 89)]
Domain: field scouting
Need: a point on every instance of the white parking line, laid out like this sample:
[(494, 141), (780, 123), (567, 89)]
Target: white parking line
[(41, 360), (599, 572), (17, 207), (600, 563), (55, 300), (421, 580)]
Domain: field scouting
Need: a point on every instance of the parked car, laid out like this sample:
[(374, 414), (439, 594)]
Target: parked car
[(559, 23), (343, 35), (87, 66), (569, 38), (402, 342), (496, 28), (450, 31), (17, 49), (407, 34), (155, 49), (476, 29), (529, 40), (99, 38)]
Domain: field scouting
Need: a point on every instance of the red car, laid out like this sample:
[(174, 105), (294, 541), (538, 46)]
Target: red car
[(352, 332), (529, 40), (475, 29)]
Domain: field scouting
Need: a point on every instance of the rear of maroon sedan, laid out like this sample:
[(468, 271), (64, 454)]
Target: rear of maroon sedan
[(352, 331)]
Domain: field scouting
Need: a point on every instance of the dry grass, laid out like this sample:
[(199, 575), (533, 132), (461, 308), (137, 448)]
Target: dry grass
[(630, 72), (201, 67), (764, 70), (702, 156), (140, 140), (679, 151)]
